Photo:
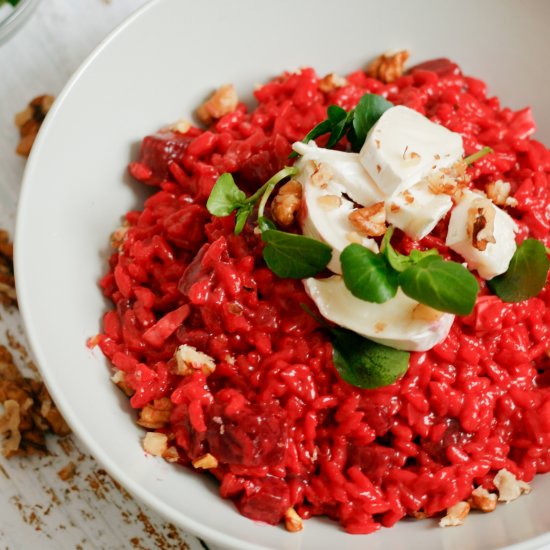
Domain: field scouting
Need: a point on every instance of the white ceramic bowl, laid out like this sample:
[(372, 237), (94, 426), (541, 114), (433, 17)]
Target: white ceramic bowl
[(156, 68)]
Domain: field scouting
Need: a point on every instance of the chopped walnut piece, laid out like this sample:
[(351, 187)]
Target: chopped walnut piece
[(118, 235), (407, 195), (293, 522), (329, 202), (156, 415), (8, 296), (426, 313), (388, 67), (481, 223), (49, 412), (222, 102), (456, 515), (321, 175), (67, 472), (29, 121), (182, 126), (287, 202), (331, 82), (509, 487), (190, 360), (171, 454), (119, 379), (419, 515), (483, 500), (205, 462), (155, 444), (499, 192), (10, 423), (370, 221)]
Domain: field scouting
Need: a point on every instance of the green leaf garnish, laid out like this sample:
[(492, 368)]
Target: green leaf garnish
[(294, 256), (364, 363), (442, 285), (355, 123), (474, 157), (241, 217), (367, 112), (367, 275), (526, 274), (398, 261), (225, 196)]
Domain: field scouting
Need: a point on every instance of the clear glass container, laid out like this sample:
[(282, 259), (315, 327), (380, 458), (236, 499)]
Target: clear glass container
[(14, 20)]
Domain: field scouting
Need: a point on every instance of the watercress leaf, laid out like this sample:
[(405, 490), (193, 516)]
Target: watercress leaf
[(265, 223), (241, 217), (526, 274), (225, 196), (398, 261), (367, 275), (369, 109), (442, 285), (340, 129), (294, 256), (417, 255), (364, 363), (335, 113)]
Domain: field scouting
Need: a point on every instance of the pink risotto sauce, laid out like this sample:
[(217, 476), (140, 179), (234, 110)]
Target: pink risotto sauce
[(285, 430)]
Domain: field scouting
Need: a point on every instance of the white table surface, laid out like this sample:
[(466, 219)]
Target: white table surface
[(37, 508)]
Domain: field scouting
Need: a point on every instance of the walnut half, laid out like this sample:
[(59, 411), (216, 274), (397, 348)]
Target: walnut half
[(481, 223), (222, 102), (370, 221), (388, 67), (287, 202)]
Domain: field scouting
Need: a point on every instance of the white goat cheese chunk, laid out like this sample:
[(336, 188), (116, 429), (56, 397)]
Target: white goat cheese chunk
[(417, 210), (404, 146), (495, 259), (394, 323)]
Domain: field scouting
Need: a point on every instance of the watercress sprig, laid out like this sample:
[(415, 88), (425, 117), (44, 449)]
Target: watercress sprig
[(422, 275), (526, 275), (226, 197), (355, 123), (288, 255), (474, 157)]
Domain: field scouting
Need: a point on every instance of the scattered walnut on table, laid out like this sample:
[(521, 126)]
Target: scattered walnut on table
[(29, 121), (456, 515), (10, 422), (8, 296), (222, 102), (370, 221), (286, 203), (67, 472), (388, 67)]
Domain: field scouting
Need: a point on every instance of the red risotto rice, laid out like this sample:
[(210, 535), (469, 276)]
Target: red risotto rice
[(285, 430)]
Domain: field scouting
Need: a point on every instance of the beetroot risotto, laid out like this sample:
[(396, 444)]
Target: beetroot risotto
[(231, 367)]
